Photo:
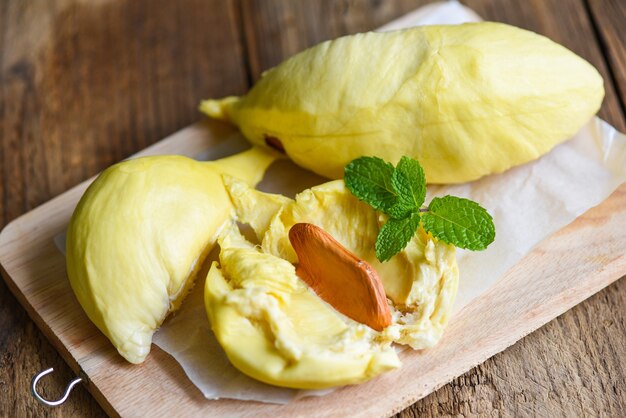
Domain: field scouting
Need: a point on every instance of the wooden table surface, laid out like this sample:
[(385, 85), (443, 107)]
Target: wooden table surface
[(84, 84)]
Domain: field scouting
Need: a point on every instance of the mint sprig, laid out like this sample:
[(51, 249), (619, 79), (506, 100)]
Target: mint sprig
[(400, 193)]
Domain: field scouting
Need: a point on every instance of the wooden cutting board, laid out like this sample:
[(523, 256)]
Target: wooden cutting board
[(560, 272)]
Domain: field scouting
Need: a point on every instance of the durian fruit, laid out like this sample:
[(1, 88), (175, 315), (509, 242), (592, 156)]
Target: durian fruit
[(140, 232), (420, 282), (465, 100), (274, 328)]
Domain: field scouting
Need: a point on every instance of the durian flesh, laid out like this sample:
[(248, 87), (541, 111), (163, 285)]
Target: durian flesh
[(421, 281), (275, 329), (138, 235), (465, 100), (420, 284)]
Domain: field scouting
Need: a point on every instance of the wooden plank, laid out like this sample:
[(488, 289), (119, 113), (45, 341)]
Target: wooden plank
[(564, 270), (83, 85), (609, 18)]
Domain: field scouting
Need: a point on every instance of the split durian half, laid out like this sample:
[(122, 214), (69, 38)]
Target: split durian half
[(139, 234)]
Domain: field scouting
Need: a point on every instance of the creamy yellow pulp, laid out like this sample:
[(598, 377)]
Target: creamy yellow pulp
[(275, 329), (464, 100), (138, 235), (420, 282)]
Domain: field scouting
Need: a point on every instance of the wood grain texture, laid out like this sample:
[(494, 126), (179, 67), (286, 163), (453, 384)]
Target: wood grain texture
[(609, 17), (84, 84)]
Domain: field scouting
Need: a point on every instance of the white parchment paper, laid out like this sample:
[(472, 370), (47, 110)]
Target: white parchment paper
[(528, 203)]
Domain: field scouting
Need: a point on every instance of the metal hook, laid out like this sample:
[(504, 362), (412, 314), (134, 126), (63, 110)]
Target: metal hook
[(33, 388)]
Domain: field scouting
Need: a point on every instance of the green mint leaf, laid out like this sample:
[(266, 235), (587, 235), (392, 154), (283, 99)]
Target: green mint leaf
[(395, 235), (460, 222), (369, 179), (409, 182)]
